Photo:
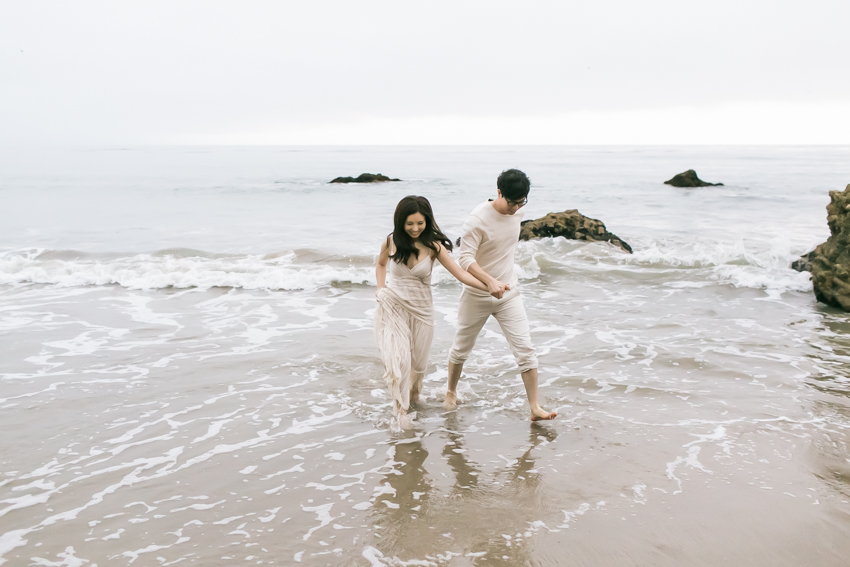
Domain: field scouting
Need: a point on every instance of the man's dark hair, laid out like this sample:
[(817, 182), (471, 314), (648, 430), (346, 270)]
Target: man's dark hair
[(513, 184)]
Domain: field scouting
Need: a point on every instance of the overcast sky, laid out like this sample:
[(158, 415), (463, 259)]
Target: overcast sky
[(459, 72)]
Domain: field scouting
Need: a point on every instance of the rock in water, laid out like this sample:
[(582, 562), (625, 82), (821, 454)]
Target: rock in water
[(831, 260), (689, 179), (364, 178), (804, 264), (572, 225)]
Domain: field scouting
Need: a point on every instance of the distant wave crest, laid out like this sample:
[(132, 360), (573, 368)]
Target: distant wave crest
[(182, 269), (758, 265), (657, 262)]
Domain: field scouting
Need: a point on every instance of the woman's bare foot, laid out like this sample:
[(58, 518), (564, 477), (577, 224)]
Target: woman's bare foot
[(540, 414), (451, 401), (403, 420)]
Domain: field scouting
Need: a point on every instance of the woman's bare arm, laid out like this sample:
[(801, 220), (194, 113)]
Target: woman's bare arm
[(381, 267), (465, 277)]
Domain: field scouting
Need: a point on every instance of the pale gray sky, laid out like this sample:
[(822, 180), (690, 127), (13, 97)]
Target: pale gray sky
[(374, 72)]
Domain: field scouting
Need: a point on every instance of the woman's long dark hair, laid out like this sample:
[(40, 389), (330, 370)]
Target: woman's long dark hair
[(432, 234)]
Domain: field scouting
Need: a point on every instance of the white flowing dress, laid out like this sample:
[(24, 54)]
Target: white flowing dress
[(404, 327)]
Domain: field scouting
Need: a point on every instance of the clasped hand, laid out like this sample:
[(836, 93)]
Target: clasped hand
[(497, 289)]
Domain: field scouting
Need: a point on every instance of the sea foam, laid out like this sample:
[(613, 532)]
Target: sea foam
[(673, 262), (758, 265), (154, 271)]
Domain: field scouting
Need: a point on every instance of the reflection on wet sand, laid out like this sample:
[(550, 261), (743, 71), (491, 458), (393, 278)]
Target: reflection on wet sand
[(407, 499), (465, 472), (487, 519), (829, 452), (834, 356)]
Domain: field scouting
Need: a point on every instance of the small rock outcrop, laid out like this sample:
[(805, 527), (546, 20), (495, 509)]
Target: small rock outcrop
[(830, 262), (572, 225), (689, 179), (804, 264), (364, 178)]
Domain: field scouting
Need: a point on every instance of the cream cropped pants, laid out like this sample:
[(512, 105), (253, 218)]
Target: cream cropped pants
[(509, 311)]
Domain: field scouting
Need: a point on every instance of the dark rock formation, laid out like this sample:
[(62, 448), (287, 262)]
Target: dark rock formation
[(804, 264), (572, 225), (364, 178), (830, 262), (689, 179)]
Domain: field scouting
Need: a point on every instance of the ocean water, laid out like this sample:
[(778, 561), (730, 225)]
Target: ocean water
[(189, 374)]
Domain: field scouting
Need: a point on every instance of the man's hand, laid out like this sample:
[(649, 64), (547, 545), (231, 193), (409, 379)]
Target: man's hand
[(497, 289)]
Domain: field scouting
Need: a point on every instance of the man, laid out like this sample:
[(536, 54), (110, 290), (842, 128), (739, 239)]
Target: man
[(490, 235)]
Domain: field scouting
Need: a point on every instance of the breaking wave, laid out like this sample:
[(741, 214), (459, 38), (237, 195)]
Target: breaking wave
[(758, 265), (184, 269), (670, 263)]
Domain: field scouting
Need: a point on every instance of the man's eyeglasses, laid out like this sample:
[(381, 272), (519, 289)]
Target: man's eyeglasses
[(517, 204)]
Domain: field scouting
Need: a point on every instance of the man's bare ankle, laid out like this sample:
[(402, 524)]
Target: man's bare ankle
[(451, 400)]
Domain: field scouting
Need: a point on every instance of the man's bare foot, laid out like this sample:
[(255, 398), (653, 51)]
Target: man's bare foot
[(539, 414), (451, 401), (414, 398)]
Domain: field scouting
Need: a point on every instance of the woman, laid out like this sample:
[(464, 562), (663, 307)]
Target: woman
[(404, 319)]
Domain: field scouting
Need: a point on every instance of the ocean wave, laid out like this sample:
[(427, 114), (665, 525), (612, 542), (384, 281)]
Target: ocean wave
[(774, 281), (757, 264), (668, 253), (665, 262), (185, 269), (764, 265)]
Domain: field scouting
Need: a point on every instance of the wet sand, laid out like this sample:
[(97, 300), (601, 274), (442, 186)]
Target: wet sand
[(229, 426), (188, 373)]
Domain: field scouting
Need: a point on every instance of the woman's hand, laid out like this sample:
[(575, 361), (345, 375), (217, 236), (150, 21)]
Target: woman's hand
[(467, 278)]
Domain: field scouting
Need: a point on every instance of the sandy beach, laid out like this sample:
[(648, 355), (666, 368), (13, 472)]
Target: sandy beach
[(192, 378)]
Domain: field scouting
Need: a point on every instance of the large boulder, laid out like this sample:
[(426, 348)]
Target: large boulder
[(689, 179), (572, 225), (364, 178), (830, 262)]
